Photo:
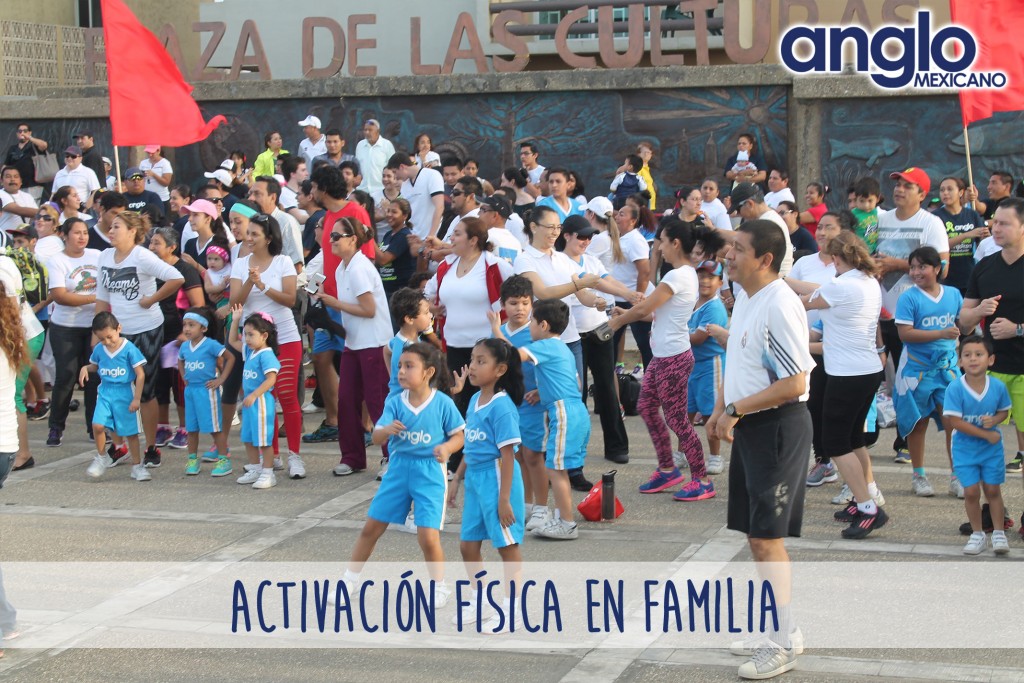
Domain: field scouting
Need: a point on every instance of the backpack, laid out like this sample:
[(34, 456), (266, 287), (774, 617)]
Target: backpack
[(629, 392), (34, 281)]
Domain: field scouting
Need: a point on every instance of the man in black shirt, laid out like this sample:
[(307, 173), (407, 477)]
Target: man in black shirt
[(139, 198), (999, 186), (20, 156)]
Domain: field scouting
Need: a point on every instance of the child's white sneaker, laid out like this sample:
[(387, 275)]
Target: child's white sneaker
[(999, 543), (975, 544)]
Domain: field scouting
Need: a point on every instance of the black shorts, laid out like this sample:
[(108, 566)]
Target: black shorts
[(233, 384), (767, 472), (847, 401), (149, 343)]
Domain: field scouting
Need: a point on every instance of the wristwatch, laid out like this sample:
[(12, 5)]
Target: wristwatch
[(1020, 329), (731, 411)]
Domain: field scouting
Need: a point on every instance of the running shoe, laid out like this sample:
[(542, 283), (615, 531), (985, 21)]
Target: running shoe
[(39, 411), (99, 465), (578, 482), (266, 480), (747, 648), (999, 543), (278, 465), (660, 481), (865, 524), (212, 455), (768, 661), (323, 434), (384, 470), (844, 496), (54, 438), (311, 408), (955, 487), (343, 470), (152, 457), (976, 544), (117, 454), (296, 468), (902, 456), (180, 439), (368, 439), (442, 593), (847, 514), (538, 518), (140, 473), (822, 473), (558, 530), (222, 468), (164, 434), (679, 460), (695, 489), (1017, 464), (921, 486), (251, 475), (715, 464), (192, 466)]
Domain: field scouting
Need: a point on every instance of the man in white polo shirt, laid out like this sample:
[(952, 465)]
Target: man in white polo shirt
[(423, 188), (75, 174), (763, 407), (315, 142), (16, 205), (373, 153)]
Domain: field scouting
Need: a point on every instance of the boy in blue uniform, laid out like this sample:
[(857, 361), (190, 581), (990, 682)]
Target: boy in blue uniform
[(708, 359), (119, 364), (973, 407), (568, 421), (203, 365)]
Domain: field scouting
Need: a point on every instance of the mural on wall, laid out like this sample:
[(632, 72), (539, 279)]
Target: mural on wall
[(875, 137)]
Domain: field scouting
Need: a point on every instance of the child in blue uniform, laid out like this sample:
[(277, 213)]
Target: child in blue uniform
[(259, 353), (422, 427), (568, 420), (411, 314), (119, 364), (204, 364), (494, 507), (974, 406), (517, 302), (926, 318), (708, 358)]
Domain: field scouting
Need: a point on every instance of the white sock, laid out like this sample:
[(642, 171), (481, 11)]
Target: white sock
[(269, 470), (558, 514), (872, 489), (998, 532), (351, 576), (868, 508), (713, 455)]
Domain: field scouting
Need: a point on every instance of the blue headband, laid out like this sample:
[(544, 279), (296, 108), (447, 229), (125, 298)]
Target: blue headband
[(195, 317)]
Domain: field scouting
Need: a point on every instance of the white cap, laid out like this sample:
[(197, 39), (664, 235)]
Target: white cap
[(220, 174), (107, 161), (228, 165), (602, 206), (310, 121)]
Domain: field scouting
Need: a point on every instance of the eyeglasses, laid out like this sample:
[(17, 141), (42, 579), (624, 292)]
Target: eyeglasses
[(552, 228), (787, 211), (24, 130), (335, 236)]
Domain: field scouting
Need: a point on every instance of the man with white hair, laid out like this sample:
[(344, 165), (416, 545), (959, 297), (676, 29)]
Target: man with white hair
[(315, 142), (373, 153)]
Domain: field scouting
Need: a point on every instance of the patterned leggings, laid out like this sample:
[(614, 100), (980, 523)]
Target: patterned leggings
[(664, 387)]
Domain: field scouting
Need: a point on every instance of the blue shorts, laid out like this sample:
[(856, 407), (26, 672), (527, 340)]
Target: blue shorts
[(702, 389), (202, 410), (568, 435), (112, 412), (480, 520), (322, 340), (423, 481), (258, 421), (985, 466), (532, 427), (919, 395)]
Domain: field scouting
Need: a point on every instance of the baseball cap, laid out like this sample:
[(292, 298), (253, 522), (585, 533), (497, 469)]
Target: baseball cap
[(578, 225), (745, 192), (203, 206), (372, 122), (133, 172), (310, 121), (107, 161), (713, 267), (914, 175), (500, 205), (228, 165), (602, 206), (74, 150), (149, 149), (25, 230), (221, 176)]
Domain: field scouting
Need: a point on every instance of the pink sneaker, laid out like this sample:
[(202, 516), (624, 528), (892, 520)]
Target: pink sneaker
[(695, 489)]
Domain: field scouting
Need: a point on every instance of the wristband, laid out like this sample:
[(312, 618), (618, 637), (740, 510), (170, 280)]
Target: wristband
[(881, 349)]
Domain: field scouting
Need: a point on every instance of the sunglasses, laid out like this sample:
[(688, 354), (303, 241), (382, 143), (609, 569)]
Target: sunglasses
[(136, 177), (215, 200), (70, 156), (44, 217), (582, 238), (335, 236), (457, 193)]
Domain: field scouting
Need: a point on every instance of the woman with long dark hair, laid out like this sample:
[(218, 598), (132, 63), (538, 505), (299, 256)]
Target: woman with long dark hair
[(516, 179), (965, 227)]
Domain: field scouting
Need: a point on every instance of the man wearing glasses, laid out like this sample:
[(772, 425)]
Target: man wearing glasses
[(75, 174), (16, 205), (20, 156)]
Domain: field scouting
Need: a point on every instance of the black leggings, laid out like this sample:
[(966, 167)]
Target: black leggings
[(641, 333), (892, 341), (457, 357), (599, 358), (71, 352), (815, 402)]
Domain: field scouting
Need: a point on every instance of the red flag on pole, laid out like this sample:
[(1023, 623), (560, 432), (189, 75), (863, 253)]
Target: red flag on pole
[(150, 102), (1000, 48)]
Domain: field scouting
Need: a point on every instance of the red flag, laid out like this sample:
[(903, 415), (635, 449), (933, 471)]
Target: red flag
[(999, 49), (150, 102)]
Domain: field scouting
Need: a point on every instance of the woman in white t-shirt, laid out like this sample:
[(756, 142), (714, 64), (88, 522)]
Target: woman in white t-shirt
[(631, 266), (68, 204), (13, 356), (127, 288), (363, 375), (264, 281), (850, 305), (425, 156), (664, 388), (72, 278)]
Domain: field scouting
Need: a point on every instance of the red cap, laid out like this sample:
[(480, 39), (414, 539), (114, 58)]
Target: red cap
[(914, 175)]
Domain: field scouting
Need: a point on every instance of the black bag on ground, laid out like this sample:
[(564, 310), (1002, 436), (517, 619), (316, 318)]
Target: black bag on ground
[(629, 393)]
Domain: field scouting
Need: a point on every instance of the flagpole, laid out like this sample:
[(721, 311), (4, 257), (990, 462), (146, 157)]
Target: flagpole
[(967, 148), (117, 168)]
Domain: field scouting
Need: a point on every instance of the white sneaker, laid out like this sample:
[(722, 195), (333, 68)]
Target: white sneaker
[(879, 500), (468, 614), (768, 661), (715, 464), (999, 543), (278, 465), (251, 475), (383, 469), (266, 480), (538, 518), (679, 459), (408, 527), (494, 625), (844, 496), (976, 543), (236, 420), (310, 408), (746, 648), (558, 530), (921, 486), (343, 470), (442, 593), (140, 473), (296, 468), (99, 465), (451, 476), (955, 487)]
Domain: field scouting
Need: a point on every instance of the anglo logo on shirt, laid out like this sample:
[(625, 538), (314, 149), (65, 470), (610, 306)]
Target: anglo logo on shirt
[(250, 374), (938, 321), (414, 438), (473, 435), (113, 373), (198, 365)]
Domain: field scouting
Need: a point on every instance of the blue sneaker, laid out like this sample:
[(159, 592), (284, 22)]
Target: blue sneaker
[(902, 456), (660, 481), (212, 455), (695, 490), (222, 468)]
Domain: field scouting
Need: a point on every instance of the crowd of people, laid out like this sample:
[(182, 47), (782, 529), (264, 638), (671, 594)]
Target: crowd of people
[(462, 324)]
